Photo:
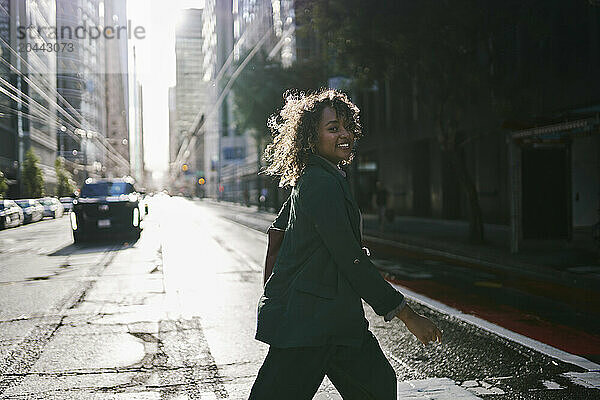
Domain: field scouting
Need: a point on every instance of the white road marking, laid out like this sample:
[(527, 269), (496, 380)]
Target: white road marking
[(551, 385), (433, 389), (500, 331), (137, 396), (327, 396), (587, 379), (481, 391), (241, 218)]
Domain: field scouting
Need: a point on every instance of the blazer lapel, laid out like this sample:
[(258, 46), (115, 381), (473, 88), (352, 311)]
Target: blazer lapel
[(351, 206)]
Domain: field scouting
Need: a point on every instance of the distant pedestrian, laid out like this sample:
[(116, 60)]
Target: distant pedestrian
[(246, 197), (311, 312), (264, 194), (381, 201)]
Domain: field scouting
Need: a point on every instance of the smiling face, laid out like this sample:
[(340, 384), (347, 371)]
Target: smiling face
[(335, 142)]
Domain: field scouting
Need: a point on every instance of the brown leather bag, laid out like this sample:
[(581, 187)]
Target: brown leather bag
[(275, 238)]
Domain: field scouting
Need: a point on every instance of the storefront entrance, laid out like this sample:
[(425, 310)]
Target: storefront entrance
[(421, 184), (545, 192)]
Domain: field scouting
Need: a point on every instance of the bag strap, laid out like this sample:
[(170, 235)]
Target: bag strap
[(275, 238)]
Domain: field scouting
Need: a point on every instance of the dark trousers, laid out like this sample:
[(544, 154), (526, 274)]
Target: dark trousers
[(296, 373)]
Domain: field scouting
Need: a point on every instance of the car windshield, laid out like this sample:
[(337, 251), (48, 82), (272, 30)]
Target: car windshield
[(106, 189), (46, 202), (23, 203)]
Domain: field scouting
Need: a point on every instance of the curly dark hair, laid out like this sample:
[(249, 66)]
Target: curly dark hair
[(295, 130)]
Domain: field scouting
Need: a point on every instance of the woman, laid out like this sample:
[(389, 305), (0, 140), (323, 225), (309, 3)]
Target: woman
[(311, 312)]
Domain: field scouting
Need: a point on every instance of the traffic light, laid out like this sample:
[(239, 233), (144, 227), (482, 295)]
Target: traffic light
[(201, 181), (184, 167)]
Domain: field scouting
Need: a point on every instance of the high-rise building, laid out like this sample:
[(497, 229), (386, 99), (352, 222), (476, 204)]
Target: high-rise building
[(136, 126), (174, 138), (218, 129), (231, 29), (8, 117), (80, 80), (117, 88), (28, 98), (265, 25), (189, 98)]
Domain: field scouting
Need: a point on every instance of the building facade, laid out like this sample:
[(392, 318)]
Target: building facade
[(217, 132), (117, 90), (238, 29), (81, 83), (173, 137), (531, 157), (29, 88), (9, 160), (187, 101), (136, 125)]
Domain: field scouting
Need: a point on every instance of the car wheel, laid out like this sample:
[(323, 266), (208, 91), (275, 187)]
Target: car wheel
[(78, 237), (135, 235)]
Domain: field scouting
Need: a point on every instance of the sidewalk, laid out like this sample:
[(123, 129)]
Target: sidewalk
[(547, 292), (566, 273), (575, 265)]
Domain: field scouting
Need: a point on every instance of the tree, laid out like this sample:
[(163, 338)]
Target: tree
[(3, 185), (433, 46), (33, 181), (259, 91), (475, 65), (64, 186), (260, 87)]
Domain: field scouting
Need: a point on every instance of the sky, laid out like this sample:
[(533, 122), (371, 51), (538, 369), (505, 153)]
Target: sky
[(156, 70)]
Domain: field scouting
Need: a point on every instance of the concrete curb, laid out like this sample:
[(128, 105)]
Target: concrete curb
[(515, 269)]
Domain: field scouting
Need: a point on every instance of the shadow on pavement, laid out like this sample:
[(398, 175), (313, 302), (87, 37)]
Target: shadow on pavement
[(101, 245)]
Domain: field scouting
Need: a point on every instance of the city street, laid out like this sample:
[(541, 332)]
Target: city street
[(173, 316)]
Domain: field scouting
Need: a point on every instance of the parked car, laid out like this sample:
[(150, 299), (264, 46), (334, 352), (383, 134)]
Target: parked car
[(10, 214), (32, 210), (52, 207), (67, 203), (106, 206)]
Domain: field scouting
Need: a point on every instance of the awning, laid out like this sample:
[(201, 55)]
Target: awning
[(581, 127)]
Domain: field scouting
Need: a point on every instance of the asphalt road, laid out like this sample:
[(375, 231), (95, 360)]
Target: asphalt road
[(172, 316)]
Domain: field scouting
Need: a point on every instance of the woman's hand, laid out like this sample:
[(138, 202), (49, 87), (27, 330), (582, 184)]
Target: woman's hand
[(421, 327)]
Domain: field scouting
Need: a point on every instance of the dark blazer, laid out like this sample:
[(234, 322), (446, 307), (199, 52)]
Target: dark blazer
[(313, 296)]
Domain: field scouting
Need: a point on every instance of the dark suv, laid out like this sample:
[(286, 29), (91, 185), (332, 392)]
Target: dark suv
[(106, 206)]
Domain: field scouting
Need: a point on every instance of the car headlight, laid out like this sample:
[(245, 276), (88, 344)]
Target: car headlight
[(73, 221), (2, 213), (136, 217)]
